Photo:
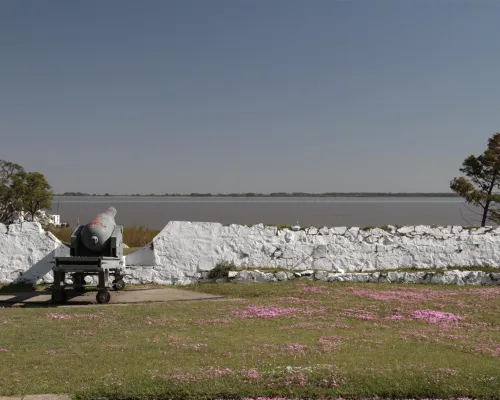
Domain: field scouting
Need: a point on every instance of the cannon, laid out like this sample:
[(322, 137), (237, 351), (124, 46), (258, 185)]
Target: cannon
[(96, 249)]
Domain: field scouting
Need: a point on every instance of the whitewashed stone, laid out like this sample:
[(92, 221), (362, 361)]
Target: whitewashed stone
[(339, 230), (495, 276), (27, 252), (396, 276), (324, 231), (473, 278), (321, 275), (260, 276), (414, 277), (290, 275), (281, 276), (335, 278), (245, 277), (360, 277), (374, 277), (183, 250), (406, 229), (486, 280)]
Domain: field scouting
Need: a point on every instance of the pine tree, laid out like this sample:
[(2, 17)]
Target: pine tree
[(480, 188)]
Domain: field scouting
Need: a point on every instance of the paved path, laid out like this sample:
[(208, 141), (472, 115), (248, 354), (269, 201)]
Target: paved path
[(38, 397), (123, 297)]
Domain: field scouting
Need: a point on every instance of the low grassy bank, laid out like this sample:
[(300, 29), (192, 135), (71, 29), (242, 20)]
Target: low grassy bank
[(134, 236), (288, 339)]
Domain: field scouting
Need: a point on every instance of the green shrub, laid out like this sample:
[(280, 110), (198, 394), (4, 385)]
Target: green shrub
[(221, 270)]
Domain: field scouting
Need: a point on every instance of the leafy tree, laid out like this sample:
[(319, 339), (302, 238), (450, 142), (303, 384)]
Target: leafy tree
[(36, 193), (483, 180), (22, 191), (10, 199)]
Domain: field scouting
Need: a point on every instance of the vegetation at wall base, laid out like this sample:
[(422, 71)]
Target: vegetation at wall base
[(221, 270), (298, 339)]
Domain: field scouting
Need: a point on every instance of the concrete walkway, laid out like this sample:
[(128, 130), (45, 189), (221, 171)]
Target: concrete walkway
[(39, 397), (42, 298)]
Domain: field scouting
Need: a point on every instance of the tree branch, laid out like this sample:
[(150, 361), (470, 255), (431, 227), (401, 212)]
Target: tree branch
[(468, 223), (472, 211)]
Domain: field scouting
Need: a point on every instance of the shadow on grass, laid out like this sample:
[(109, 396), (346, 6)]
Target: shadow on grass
[(21, 287), (24, 294)]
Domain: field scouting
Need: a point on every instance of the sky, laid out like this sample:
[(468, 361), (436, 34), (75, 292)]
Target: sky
[(222, 96)]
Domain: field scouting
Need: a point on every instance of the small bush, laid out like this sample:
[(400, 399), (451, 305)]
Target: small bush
[(221, 270)]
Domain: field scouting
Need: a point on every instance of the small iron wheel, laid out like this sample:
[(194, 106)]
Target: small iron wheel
[(103, 297), (119, 284)]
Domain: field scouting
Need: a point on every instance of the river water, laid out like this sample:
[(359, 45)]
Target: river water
[(156, 212)]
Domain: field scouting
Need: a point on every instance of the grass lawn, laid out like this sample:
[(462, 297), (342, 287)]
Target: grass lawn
[(290, 339)]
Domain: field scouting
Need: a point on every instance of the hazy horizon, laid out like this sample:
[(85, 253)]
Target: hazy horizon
[(72, 194), (233, 96)]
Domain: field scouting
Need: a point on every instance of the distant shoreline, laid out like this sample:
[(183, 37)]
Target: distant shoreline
[(274, 195)]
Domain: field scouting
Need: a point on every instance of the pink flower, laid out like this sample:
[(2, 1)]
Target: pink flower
[(273, 312), (224, 371), (4, 350), (50, 352), (264, 312), (316, 289), (253, 373), (296, 300), (435, 317), (396, 317), (70, 316)]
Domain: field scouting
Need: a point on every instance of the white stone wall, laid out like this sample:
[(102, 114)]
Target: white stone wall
[(184, 250), (26, 253), (445, 277)]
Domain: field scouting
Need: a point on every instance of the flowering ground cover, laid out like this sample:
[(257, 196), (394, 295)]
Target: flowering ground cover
[(292, 339)]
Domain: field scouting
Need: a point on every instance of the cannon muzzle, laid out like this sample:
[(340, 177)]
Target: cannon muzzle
[(95, 235)]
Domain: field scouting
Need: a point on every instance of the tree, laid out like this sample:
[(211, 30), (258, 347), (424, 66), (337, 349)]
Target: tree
[(36, 193), (483, 174), (22, 191), (10, 199)]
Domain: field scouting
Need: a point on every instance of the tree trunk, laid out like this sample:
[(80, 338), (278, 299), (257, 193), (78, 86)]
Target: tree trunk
[(488, 201), (485, 213)]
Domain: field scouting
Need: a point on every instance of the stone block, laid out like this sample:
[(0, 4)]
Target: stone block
[(321, 275), (245, 277), (495, 276), (281, 276)]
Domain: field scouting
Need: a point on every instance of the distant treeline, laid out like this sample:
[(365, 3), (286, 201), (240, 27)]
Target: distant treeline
[(276, 194)]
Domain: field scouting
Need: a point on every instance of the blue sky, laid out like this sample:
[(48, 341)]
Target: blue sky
[(222, 96)]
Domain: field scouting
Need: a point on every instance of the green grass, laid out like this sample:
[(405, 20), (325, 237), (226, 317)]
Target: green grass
[(134, 236), (325, 347)]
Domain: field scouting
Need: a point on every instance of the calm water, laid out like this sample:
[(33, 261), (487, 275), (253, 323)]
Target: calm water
[(156, 212)]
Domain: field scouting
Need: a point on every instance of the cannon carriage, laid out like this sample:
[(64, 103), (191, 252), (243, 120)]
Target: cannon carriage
[(96, 250)]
